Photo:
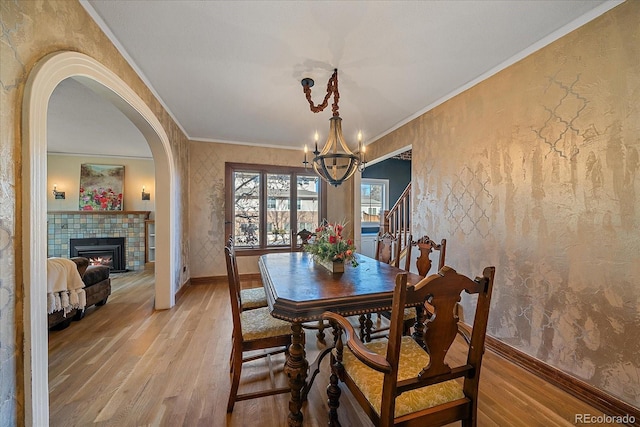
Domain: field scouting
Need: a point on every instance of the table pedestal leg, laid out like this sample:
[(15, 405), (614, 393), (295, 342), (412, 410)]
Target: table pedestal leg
[(366, 324), (296, 368), (320, 334)]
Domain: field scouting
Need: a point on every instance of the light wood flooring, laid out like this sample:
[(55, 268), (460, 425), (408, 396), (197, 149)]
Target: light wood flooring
[(125, 365)]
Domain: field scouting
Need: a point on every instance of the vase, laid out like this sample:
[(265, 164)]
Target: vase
[(332, 266)]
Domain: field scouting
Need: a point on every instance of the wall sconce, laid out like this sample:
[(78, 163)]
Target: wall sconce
[(145, 196), (57, 194)]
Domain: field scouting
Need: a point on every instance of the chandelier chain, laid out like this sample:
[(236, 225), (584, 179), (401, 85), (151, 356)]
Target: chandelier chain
[(332, 89)]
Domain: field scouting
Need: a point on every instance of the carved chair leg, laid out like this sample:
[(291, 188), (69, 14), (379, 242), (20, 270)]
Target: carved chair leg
[(333, 393), (336, 336), (362, 320), (333, 390), (236, 370)]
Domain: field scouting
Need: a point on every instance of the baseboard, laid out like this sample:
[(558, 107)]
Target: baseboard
[(608, 404), (182, 290), (208, 280)]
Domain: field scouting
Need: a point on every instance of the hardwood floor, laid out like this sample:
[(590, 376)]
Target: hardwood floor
[(125, 364)]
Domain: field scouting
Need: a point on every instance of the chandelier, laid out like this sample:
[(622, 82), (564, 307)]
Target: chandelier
[(332, 164)]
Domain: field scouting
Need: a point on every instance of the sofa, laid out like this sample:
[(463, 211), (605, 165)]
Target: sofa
[(97, 287)]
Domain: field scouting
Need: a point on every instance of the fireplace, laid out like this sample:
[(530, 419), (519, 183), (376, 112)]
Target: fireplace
[(107, 251)]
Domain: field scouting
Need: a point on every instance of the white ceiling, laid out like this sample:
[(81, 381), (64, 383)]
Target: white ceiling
[(230, 71), (82, 122)]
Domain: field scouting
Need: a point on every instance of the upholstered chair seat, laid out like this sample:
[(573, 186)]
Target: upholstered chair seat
[(412, 359), (253, 298), (259, 323)]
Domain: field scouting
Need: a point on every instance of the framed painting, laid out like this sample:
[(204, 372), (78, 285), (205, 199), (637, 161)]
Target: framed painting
[(101, 187)]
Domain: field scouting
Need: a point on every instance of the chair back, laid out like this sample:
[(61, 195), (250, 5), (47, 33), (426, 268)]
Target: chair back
[(387, 249), (426, 246), (234, 286), (441, 291), (304, 236)]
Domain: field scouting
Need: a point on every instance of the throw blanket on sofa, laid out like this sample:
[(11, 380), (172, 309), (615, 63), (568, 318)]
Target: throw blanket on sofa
[(64, 286)]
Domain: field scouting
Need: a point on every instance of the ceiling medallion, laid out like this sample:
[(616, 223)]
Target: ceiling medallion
[(330, 164)]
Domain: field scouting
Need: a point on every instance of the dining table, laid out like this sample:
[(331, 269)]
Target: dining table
[(299, 290)]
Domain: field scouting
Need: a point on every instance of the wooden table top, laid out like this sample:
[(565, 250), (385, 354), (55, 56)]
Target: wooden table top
[(299, 290)]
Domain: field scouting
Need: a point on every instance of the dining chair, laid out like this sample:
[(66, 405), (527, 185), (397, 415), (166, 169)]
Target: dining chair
[(387, 249), (252, 330), (426, 246), (398, 382), (304, 235), (423, 264), (252, 297)]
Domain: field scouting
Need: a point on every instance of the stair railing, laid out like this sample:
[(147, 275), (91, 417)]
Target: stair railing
[(396, 221)]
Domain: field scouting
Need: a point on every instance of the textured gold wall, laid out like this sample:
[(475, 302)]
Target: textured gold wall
[(536, 171), (30, 31)]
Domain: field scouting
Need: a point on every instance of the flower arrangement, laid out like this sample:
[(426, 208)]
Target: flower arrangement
[(100, 199), (329, 245)]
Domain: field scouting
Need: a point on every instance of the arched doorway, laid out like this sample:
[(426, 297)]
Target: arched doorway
[(44, 78)]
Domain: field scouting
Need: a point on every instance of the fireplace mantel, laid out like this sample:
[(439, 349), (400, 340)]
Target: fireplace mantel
[(146, 213)]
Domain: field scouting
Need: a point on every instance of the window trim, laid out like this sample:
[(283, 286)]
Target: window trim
[(263, 170)]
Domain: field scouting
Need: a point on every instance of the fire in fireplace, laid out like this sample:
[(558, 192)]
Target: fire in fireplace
[(101, 260), (107, 251)]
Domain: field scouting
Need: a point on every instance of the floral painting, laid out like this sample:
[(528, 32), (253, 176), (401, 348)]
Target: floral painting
[(101, 187)]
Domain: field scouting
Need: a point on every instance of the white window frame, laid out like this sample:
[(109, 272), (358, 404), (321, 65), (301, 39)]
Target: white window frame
[(385, 198)]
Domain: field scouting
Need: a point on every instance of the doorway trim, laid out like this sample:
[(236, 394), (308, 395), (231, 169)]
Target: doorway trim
[(43, 79)]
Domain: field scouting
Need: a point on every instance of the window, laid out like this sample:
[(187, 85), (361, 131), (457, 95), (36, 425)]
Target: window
[(374, 199), (267, 205)]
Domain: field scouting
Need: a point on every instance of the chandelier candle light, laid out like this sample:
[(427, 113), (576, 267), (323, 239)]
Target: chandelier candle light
[(330, 164)]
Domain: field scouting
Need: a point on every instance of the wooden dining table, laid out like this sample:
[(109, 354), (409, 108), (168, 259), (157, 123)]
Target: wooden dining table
[(300, 290)]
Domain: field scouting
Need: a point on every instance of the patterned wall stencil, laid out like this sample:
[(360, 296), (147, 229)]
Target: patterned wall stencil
[(561, 115), (468, 201)]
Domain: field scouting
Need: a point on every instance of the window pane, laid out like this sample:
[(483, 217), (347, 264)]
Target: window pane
[(246, 209), (262, 210), (279, 211), (371, 202), (308, 203)]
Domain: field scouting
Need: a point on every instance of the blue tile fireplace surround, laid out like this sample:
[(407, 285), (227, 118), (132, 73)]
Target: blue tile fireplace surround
[(63, 226)]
